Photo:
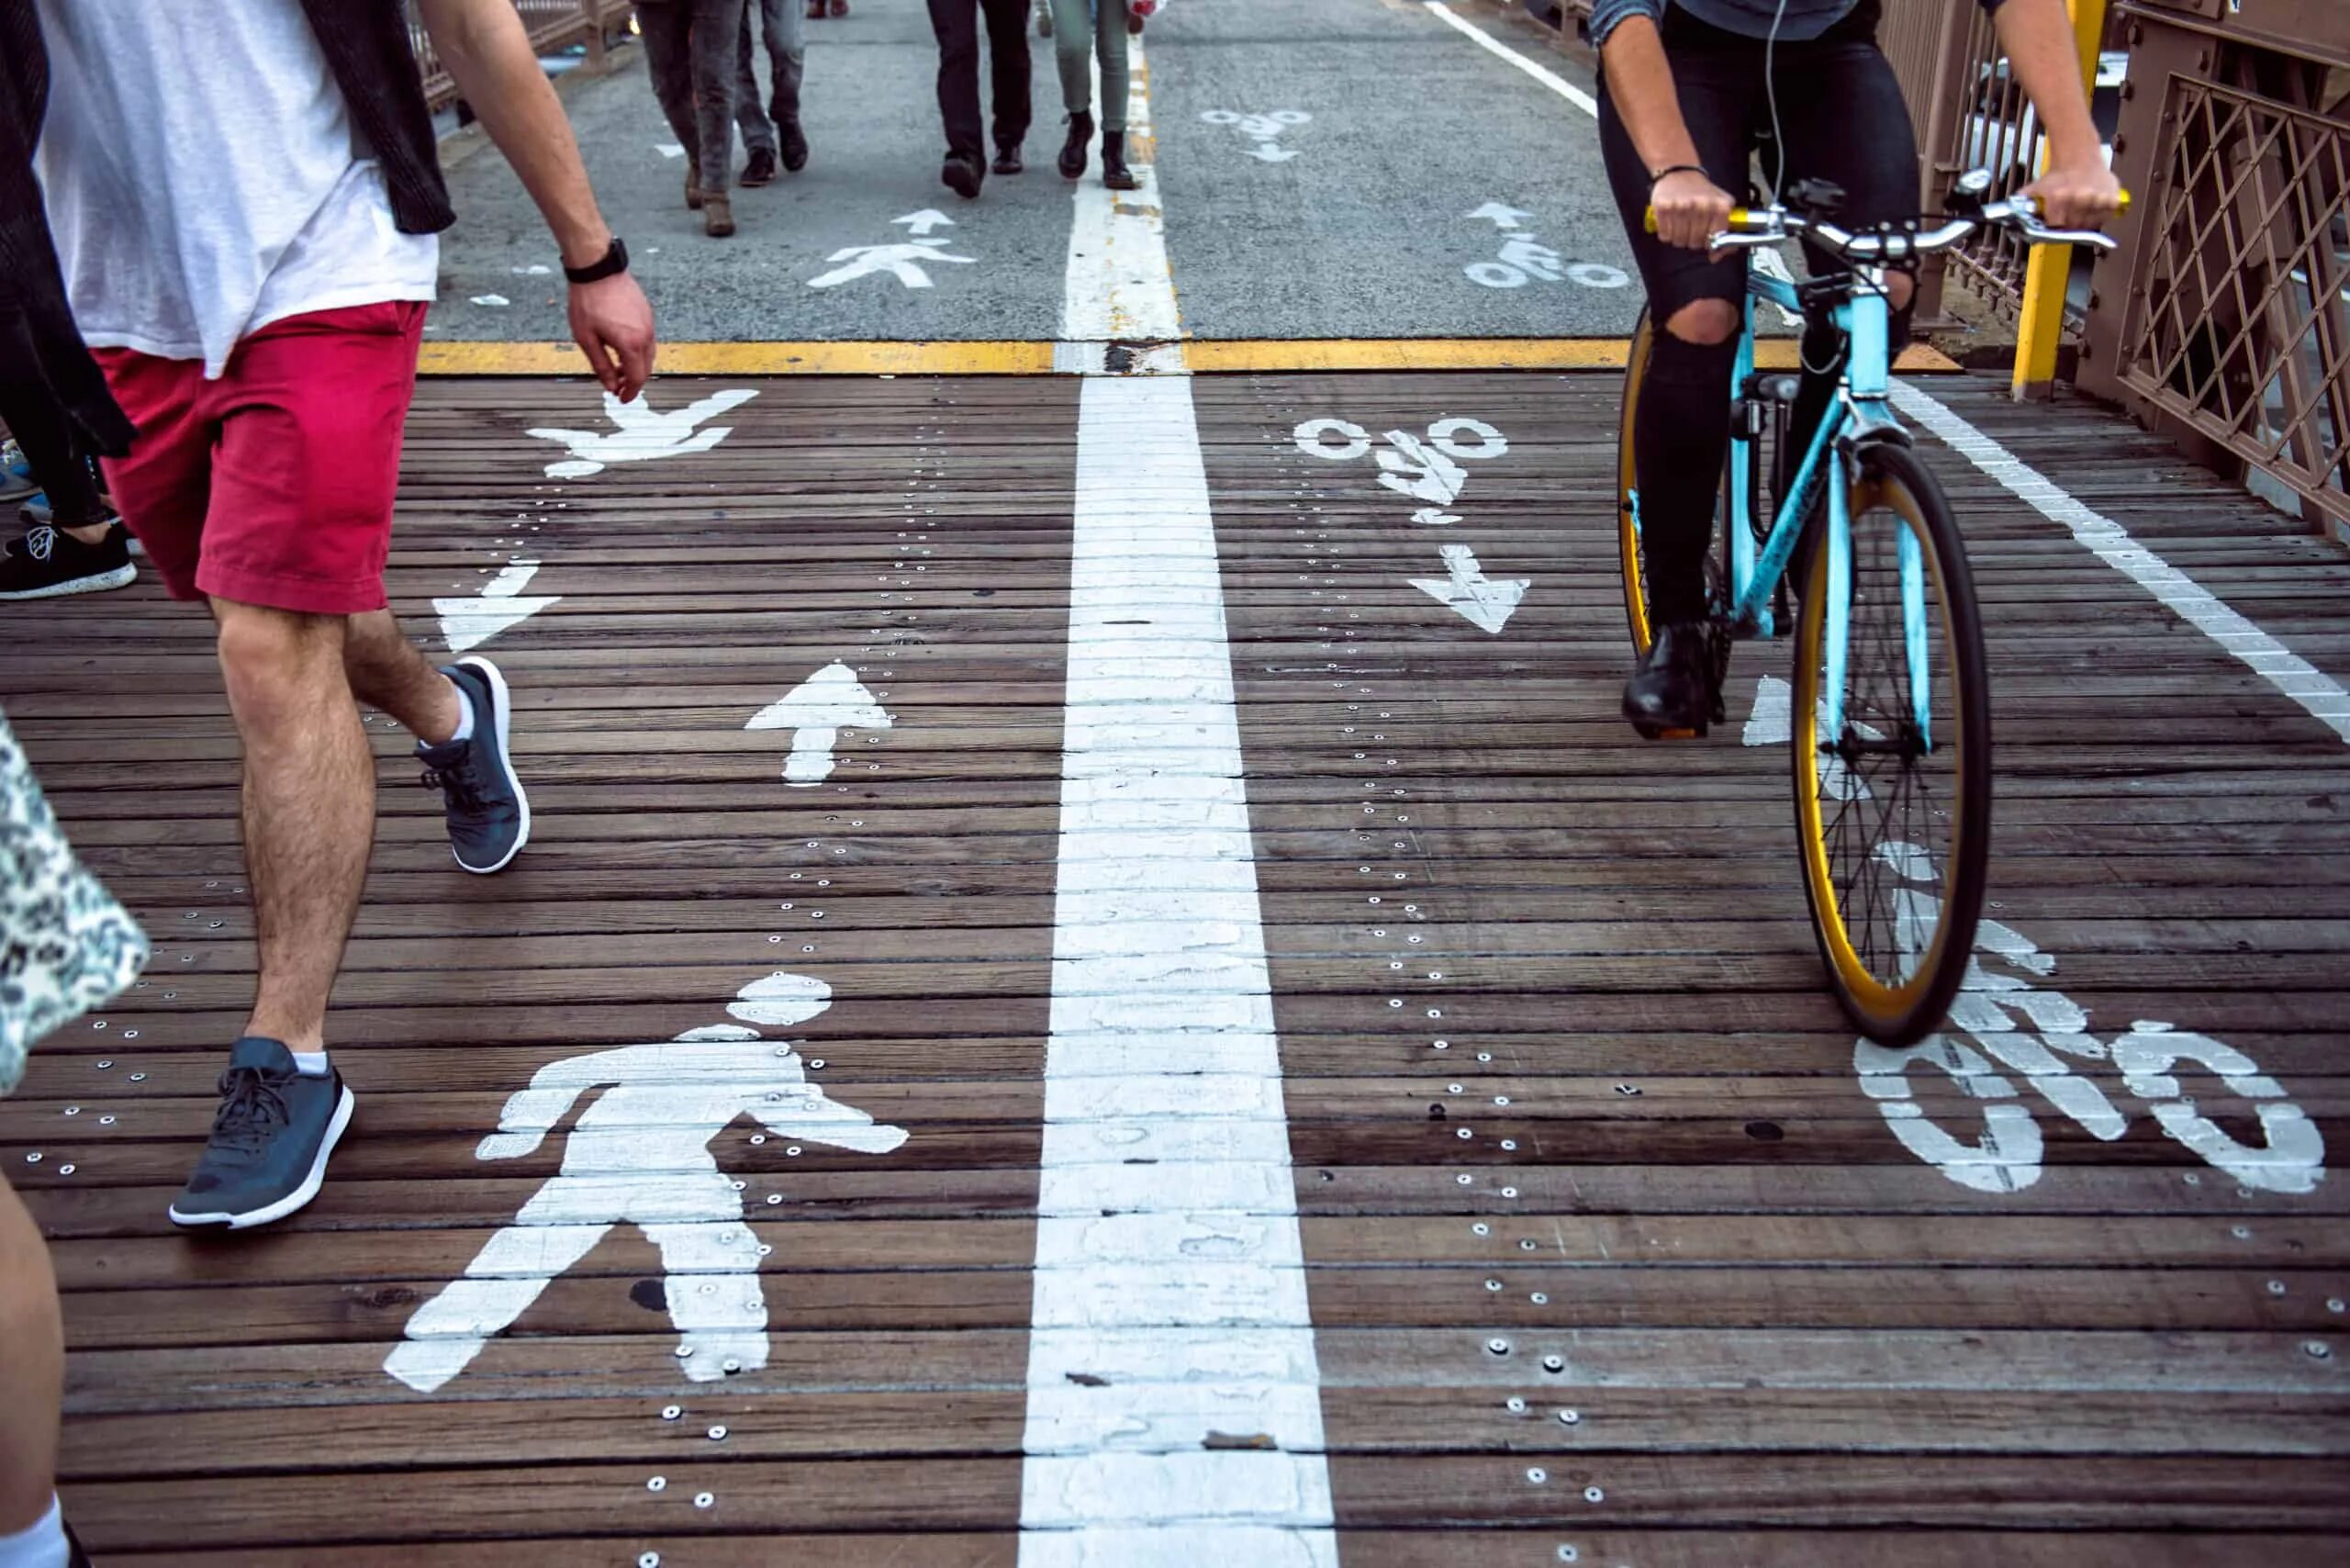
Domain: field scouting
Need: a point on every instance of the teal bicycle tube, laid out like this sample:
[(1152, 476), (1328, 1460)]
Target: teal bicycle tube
[(1838, 628), (1739, 518), (1753, 601), (1916, 634)]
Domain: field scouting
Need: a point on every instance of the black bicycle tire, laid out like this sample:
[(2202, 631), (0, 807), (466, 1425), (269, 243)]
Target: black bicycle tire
[(1967, 876)]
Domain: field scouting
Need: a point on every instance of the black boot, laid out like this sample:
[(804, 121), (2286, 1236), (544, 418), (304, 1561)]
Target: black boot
[(1080, 137), (1671, 691), (964, 173), (795, 145), (1114, 172), (1007, 158)]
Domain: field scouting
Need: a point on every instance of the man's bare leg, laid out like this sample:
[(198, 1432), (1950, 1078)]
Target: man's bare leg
[(310, 806), (388, 674)]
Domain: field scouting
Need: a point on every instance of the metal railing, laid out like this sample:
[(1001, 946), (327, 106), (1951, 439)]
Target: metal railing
[(552, 24), (2225, 320)]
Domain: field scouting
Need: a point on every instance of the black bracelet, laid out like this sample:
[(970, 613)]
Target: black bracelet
[(612, 262), (1657, 178)]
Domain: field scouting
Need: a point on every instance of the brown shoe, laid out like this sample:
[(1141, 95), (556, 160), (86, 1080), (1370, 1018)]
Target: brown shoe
[(693, 193), (815, 10), (840, 7), (717, 216)]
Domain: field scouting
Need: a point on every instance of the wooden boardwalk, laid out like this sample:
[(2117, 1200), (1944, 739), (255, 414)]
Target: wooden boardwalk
[(1616, 1251)]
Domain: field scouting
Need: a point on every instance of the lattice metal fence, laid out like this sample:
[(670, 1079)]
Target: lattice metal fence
[(553, 23), (2240, 319)]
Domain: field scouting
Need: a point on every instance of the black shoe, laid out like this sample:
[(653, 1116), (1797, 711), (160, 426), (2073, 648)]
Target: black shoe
[(962, 174), (489, 816), (1114, 172), (795, 146), (1007, 159), (1080, 137), (49, 563), (1671, 691), (75, 1557), (267, 1154), (1134, 23), (759, 169)]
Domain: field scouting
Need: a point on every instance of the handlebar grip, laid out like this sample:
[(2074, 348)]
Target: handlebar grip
[(1738, 219)]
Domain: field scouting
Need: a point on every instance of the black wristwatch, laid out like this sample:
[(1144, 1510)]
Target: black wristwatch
[(614, 261)]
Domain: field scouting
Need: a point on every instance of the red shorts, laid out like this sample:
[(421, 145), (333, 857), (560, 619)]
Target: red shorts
[(273, 484)]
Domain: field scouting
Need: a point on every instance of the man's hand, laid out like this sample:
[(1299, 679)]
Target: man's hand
[(2081, 195), (612, 324), (1690, 210)]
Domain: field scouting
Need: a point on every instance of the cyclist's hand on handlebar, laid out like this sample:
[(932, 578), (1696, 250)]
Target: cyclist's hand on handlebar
[(2076, 196), (1690, 210)]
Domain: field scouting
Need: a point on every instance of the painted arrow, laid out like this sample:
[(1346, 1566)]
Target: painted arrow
[(470, 623), (819, 709), (925, 221), (1503, 215), (1265, 152), (1481, 600)]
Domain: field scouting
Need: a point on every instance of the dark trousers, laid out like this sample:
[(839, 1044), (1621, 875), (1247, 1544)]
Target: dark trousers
[(1841, 119), (779, 27), (692, 48), (957, 25), (33, 417)]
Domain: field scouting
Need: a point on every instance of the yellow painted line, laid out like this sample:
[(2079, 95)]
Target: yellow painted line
[(1202, 356), (753, 359)]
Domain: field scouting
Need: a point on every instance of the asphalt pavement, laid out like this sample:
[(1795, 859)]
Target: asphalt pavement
[(1328, 169)]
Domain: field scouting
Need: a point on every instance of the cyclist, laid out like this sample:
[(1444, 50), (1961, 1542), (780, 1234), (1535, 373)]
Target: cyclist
[(1683, 93)]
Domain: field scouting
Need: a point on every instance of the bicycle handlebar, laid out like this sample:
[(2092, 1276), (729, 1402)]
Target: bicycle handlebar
[(1752, 228)]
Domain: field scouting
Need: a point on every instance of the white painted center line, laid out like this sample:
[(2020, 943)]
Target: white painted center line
[(1174, 1395), (1542, 73), (2318, 693)]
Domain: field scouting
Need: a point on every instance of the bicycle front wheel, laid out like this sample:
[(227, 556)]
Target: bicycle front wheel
[(1893, 811)]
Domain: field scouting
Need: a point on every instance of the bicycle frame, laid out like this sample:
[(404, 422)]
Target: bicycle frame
[(1861, 410)]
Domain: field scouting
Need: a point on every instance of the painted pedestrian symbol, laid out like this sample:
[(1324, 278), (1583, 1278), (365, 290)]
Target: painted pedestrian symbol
[(1525, 259), (1262, 130), (905, 260), (639, 435), (640, 1155)]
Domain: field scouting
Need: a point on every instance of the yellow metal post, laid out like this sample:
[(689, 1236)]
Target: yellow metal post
[(2040, 328)]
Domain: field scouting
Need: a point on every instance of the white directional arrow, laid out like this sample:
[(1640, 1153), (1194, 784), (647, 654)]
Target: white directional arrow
[(1503, 215), (469, 623), (1481, 600), (819, 709), (1265, 152), (925, 221)]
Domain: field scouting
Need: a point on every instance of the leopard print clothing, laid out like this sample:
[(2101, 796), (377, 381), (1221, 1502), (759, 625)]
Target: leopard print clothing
[(65, 945)]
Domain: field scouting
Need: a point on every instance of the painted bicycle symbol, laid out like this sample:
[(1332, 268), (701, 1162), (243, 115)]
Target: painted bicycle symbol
[(1262, 130), (2037, 1033), (1424, 469)]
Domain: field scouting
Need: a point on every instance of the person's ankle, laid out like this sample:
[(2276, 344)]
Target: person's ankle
[(90, 533), (41, 1544)]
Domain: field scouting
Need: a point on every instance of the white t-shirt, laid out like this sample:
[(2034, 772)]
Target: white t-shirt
[(203, 177)]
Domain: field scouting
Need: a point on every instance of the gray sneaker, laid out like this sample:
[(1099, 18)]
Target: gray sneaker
[(489, 817), (267, 1154)]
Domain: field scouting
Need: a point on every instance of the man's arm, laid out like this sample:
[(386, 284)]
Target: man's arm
[(1689, 206), (2078, 191), (488, 55)]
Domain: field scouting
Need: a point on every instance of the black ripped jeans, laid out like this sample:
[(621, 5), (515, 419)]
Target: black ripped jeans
[(1841, 120)]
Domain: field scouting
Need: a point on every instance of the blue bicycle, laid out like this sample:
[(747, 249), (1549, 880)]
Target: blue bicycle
[(1889, 714)]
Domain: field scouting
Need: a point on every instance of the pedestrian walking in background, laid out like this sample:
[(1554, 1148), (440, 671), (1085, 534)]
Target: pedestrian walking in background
[(256, 353), (74, 542), (780, 29), (1083, 29), (958, 26), (693, 49), (817, 8)]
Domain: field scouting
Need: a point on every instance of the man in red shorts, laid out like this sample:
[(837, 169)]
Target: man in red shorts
[(243, 200)]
